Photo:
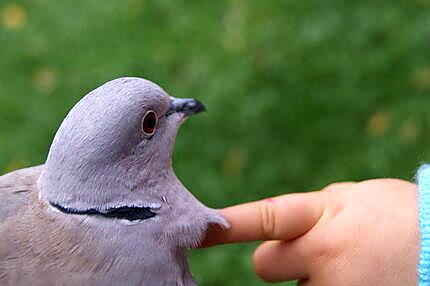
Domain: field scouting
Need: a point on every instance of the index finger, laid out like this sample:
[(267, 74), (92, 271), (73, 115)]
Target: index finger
[(280, 218)]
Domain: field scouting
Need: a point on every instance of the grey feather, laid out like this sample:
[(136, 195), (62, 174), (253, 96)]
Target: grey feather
[(101, 160), (15, 190)]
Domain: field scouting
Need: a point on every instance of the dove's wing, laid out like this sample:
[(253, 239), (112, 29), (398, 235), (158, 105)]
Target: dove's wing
[(15, 190), (33, 249)]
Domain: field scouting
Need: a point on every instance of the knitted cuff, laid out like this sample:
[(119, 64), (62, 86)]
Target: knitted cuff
[(423, 180)]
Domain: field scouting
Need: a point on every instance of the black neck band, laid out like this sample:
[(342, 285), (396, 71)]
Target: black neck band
[(128, 213)]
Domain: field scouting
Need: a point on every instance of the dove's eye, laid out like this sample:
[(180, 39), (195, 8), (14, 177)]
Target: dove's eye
[(149, 122)]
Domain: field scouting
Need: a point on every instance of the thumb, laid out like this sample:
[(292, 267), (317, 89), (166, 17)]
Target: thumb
[(280, 218)]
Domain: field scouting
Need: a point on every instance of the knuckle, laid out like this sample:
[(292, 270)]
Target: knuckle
[(330, 188), (333, 204), (268, 214), (324, 250), (389, 183), (321, 250), (326, 244), (398, 182)]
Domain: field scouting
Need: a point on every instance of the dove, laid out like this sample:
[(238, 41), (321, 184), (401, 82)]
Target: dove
[(106, 208)]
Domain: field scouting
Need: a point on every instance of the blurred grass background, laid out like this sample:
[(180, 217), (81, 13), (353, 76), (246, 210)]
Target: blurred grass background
[(299, 93)]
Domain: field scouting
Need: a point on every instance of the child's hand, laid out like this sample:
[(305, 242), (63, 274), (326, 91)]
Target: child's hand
[(347, 234)]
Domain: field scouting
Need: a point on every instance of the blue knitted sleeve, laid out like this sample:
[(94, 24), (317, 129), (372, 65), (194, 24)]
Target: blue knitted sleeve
[(423, 180)]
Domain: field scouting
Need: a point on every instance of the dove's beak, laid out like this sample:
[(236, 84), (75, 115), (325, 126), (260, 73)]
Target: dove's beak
[(187, 106)]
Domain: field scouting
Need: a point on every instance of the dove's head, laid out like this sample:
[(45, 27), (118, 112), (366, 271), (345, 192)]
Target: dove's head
[(112, 157)]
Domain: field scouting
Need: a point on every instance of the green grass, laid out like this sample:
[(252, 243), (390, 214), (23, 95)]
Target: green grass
[(299, 93)]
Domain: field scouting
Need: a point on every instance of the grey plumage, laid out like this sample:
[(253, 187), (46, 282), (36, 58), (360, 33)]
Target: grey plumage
[(100, 160)]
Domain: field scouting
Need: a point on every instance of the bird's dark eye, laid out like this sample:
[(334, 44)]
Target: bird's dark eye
[(149, 121)]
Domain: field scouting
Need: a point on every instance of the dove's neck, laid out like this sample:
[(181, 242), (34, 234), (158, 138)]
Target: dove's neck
[(84, 187)]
